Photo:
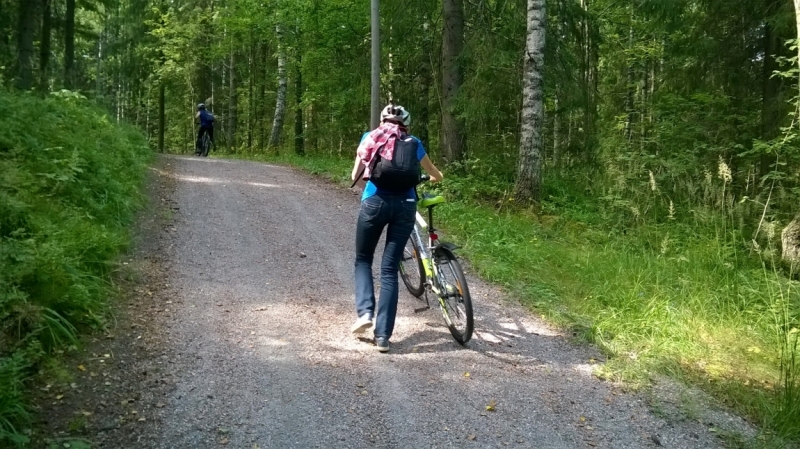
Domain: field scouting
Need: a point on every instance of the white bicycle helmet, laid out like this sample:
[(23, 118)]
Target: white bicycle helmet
[(201, 106), (397, 114)]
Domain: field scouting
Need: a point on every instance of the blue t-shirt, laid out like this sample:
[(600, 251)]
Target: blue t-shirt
[(371, 189), (206, 118)]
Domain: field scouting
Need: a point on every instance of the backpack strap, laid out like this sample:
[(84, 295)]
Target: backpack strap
[(372, 162)]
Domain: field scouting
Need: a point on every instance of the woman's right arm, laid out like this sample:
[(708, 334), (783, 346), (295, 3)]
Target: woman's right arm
[(357, 167), (431, 169)]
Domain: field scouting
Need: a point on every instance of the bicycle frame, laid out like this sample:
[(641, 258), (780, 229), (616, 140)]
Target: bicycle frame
[(431, 274)]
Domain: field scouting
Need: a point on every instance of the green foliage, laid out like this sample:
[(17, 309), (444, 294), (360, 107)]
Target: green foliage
[(70, 182)]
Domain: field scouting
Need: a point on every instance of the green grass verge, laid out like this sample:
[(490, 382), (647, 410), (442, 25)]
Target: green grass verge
[(70, 183), (676, 298)]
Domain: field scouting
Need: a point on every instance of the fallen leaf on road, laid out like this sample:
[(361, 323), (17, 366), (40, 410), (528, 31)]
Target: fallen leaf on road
[(466, 374), (471, 437), (491, 406), (81, 367)]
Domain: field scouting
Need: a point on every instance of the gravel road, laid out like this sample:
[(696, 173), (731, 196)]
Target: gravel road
[(249, 334)]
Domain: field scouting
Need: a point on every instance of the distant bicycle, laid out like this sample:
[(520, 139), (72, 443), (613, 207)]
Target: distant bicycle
[(205, 145), (434, 267)]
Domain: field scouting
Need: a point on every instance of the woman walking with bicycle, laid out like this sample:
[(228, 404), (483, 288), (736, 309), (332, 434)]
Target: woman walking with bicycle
[(389, 160)]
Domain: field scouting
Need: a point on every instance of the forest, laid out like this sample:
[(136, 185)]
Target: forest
[(629, 168)]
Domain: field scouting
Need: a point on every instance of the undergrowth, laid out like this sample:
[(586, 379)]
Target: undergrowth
[(70, 182)]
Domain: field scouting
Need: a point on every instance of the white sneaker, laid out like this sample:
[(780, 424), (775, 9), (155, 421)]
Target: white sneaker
[(363, 323)]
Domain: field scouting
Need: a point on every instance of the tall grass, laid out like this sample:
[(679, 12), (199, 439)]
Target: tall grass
[(70, 183), (659, 289)]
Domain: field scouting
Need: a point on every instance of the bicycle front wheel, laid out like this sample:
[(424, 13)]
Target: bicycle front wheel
[(456, 302), (412, 270)]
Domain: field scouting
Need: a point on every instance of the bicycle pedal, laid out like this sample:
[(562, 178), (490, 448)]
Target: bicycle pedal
[(422, 309)]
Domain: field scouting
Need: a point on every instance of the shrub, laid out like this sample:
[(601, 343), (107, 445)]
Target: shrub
[(70, 183)]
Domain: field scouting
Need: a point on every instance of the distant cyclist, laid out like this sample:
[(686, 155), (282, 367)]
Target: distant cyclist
[(206, 120)]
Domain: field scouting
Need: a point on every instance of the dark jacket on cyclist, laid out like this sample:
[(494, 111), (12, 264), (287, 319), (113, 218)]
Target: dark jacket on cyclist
[(206, 120)]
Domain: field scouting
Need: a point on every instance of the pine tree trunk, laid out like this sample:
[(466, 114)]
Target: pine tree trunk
[(770, 107), (253, 64), (629, 89), (25, 32), (44, 48), (452, 78), (589, 68), (299, 138), (529, 173), (280, 102), (161, 116), (262, 98), (556, 131), (233, 101), (69, 45)]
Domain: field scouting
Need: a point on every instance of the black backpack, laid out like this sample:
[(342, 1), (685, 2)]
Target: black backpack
[(402, 172)]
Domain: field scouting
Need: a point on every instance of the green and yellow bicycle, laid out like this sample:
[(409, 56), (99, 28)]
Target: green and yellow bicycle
[(432, 267)]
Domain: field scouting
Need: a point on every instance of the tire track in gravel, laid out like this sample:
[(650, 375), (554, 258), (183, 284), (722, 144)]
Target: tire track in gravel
[(260, 286)]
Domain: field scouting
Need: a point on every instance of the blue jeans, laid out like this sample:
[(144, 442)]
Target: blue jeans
[(397, 214)]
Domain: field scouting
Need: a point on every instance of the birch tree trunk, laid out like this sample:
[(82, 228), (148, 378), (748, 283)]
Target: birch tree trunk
[(529, 173), (280, 102), (452, 78)]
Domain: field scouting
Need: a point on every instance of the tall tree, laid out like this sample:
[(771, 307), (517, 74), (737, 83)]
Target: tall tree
[(25, 32), (771, 107), (44, 46), (299, 138), (529, 172), (69, 45), (233, 99), (280, 102), (452, 79)]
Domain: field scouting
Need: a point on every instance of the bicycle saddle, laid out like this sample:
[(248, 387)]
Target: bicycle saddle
[(430, 200)]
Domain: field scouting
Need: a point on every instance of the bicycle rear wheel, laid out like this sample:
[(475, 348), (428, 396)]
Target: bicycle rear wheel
[(206, 145), (411, 268), (456, 302)]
